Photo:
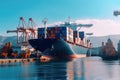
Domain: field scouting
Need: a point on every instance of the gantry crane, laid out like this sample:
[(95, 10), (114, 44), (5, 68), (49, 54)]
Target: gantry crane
[(32, 28), (25, 31)]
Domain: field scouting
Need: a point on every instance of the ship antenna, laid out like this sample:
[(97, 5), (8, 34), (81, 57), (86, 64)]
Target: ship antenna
[(45, 25)]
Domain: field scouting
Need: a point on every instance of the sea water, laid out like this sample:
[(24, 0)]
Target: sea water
[(90, 68)]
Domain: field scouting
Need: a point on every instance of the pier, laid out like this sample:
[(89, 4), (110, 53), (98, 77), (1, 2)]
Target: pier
[(5, 61)]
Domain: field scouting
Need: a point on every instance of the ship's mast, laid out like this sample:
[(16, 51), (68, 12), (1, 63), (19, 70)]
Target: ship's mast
[(45, 25)]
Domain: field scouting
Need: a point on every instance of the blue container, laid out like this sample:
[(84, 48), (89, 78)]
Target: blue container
[(63, 32), (49, 28), (41, 30), (81, 35), (41, 36), (75, 34)]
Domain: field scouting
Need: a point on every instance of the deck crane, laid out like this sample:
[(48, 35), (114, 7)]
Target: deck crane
[(74, 25)]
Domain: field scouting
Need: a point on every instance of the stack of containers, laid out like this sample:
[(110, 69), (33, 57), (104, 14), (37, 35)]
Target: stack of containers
[(75, 36), (63, 32), (57, 32), (77, 40), (41, 32), (81, 35), (51, 32), (69, 34), (66, 33)]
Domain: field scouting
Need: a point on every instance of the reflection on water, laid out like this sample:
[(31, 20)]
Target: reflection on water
[(92, 68)]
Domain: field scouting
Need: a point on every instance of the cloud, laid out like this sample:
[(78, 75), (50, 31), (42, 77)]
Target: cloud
[(101, 27)]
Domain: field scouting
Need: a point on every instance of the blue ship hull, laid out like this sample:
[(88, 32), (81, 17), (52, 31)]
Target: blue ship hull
[(57, 47)]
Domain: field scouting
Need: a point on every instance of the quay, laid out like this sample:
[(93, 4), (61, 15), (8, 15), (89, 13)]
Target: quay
[(41, 59), (4, 61)]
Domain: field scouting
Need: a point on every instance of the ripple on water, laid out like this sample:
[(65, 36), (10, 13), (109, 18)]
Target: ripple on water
[(91, 68)]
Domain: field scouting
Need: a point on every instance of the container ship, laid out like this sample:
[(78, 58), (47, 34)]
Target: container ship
[(60, 41)]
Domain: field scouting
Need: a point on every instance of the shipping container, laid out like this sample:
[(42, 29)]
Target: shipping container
[(69, 34), (41, 36), (81, 35), (77, 40), (81, 42), (75, 34), (70, 31), (65, 33), (69, 39), (41, 32), (50, 32)]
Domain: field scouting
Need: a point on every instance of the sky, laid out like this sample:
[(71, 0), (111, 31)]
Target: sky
[(97, 12)]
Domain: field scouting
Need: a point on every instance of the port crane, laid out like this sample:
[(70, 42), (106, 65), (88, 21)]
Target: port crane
[(25, 31), (75, 26)]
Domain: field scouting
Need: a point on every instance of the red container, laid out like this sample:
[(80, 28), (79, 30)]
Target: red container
[(57, 32), (51, 33), (81, 42), (77, 40)]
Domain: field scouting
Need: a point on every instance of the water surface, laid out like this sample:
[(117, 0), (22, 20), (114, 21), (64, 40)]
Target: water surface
[(92, 68)]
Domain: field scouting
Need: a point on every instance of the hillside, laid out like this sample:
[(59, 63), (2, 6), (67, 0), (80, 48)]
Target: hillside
[(95, 40), (12, 39)]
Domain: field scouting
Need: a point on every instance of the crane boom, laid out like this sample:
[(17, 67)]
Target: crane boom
[(9, 31)]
